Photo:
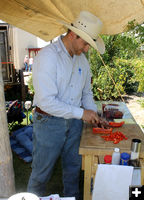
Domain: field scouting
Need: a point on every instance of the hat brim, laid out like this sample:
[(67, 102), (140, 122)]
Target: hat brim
[(98, 44)]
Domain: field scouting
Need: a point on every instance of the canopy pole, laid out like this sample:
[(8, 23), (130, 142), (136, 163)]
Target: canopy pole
[(7, 183)]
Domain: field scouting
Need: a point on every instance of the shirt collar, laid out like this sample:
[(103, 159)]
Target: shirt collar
[(61, 46)]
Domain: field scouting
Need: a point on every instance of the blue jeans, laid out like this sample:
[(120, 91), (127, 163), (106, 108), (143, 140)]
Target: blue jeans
[(52, 137)]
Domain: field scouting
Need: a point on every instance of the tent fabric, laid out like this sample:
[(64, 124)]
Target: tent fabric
[(41, 17)]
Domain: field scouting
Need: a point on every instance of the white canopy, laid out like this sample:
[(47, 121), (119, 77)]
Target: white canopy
[(40, 17)]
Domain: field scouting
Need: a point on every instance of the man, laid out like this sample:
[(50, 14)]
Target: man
[(63, 98)]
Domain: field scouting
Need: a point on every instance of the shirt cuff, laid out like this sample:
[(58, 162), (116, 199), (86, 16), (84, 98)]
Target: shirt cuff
[(78, 113)]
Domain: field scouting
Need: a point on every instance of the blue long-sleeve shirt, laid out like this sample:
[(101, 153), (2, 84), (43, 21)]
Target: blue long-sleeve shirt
[(62, 83)]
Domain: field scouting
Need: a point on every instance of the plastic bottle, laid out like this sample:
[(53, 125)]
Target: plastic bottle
[(116, 156)]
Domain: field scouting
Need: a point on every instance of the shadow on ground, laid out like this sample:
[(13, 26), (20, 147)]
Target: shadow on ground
[(55, 186)]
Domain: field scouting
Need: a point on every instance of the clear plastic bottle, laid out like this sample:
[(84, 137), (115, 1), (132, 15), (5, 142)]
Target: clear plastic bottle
[(116, 156)]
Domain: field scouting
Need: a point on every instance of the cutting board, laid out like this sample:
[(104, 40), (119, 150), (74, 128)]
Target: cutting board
[(94, 142)]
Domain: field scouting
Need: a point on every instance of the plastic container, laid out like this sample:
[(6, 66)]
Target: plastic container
[(124, 160), (108, 159), (112, 111), (116, 156)]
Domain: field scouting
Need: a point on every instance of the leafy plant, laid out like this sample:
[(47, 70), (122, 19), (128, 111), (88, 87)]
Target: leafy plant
[(123, 64), (30, 85), (139, 73), (103, 86)]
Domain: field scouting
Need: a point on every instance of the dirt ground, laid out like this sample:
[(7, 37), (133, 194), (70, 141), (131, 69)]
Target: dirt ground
[(135, 108)]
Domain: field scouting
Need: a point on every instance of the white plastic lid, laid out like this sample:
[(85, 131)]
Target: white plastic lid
[(116, 150), (24, 196)]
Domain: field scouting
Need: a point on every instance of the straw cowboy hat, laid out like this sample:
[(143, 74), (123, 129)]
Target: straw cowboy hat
[(88, 27)]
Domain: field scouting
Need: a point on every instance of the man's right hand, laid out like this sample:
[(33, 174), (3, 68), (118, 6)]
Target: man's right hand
[(90, 116)]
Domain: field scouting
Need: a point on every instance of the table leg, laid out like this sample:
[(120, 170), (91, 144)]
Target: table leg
[(87, 177), (94, 167), (142, 171)]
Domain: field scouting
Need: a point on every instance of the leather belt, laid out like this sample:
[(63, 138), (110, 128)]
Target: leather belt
[(41, 112)]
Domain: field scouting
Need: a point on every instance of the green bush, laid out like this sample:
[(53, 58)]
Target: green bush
[(103, 86), (124, 61), (139, 73), (130, 83), (30, 85), (128, 75)]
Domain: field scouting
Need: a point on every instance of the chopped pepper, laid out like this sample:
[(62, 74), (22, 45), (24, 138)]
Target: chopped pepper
[(116, 137), (116, 124), (102, 130)]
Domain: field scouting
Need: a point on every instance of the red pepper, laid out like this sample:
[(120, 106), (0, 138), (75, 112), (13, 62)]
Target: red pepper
[(116, 124), (116, 137), (116, 141), (102, 130)]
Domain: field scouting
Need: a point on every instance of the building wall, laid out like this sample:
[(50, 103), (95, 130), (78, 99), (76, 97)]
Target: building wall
[(19, 41), (22, 40)]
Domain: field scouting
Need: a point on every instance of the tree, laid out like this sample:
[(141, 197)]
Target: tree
[(123, 60), (7, 185)]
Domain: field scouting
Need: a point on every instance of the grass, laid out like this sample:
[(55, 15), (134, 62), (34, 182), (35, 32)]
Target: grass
[(22, 172), (141, 102)]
